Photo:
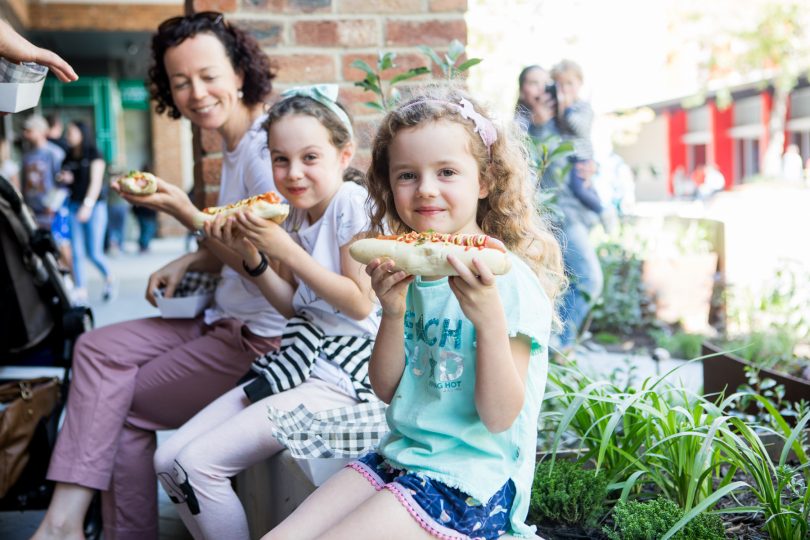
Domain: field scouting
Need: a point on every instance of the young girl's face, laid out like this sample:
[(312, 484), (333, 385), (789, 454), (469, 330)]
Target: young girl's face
[(307, 168), (435, 178)]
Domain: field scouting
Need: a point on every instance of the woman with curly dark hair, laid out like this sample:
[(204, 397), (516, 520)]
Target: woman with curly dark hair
[(136, 377)]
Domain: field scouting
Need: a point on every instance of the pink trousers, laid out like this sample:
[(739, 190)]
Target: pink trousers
[(129, 380)]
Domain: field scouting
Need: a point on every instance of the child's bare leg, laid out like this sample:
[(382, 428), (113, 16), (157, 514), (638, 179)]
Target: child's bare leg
[(64, 519), (380, 516), (330, 503)]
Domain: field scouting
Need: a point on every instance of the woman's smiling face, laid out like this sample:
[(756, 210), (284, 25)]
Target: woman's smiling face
[(203, 82)]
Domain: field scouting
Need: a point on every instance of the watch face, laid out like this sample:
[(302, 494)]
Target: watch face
[(198, 234)]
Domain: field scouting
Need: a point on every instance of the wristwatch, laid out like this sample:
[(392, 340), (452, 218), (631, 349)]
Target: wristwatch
[(259, 270)]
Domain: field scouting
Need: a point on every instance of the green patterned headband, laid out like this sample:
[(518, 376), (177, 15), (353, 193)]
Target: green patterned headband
[(326, 95)]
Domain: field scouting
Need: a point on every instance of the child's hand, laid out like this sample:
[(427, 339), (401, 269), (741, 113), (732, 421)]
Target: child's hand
[(477, 295), (266, 235), (224, 229), (389, 286)]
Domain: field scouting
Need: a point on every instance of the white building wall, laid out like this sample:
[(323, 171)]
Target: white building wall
[(649, 160)]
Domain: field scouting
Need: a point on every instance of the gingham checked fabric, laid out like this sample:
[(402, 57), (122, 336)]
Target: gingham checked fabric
[(27, 72), (196, 283), (301, 344), (337, 433)]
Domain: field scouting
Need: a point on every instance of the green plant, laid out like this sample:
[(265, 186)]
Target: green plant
[(565, 492), (679, 344), (624, 307), (780, 488), (373, 81), (448, 63), (771, 326), (653, 519)]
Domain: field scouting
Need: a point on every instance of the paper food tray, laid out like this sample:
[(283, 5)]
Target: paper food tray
[(18, 96), (318, 470), (186, 307)]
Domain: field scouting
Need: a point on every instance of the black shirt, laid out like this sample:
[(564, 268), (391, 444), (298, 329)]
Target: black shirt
[(80, 167)]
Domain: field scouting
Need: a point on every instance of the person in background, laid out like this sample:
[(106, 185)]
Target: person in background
[(41, 165), (83, 171), (536, 113), (118, 209), (148, 223), (9, 169), (135, 377), (56, 131), (792, 169)]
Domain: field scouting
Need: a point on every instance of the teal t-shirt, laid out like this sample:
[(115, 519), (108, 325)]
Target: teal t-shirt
[(435, 427)]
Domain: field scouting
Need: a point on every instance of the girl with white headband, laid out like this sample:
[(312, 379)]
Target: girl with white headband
[(461, 361), (304, 269)]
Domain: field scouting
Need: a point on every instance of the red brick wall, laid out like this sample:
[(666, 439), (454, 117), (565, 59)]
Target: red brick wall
[(315, 41)]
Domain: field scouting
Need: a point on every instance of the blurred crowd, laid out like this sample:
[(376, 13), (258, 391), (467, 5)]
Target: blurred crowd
[(64, 179)]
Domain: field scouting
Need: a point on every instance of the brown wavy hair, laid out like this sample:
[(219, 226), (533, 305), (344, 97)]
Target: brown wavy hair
[(507, 213), (243, 51)]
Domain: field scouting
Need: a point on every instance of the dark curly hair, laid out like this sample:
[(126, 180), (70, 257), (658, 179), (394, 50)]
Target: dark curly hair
[(242, 49)]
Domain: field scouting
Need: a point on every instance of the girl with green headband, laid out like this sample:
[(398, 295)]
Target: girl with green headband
[(304, 269)]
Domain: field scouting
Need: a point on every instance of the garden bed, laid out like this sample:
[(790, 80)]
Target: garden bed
[(725, 372)]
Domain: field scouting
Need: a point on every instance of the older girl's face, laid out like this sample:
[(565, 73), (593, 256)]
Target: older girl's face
[(73, 135), (203, 82)]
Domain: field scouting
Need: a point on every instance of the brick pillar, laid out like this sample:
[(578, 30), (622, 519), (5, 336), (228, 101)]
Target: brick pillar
[(315, 41)]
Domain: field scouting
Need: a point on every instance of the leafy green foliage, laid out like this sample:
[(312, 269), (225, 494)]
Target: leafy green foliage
[(679, 344), (651, 521), (374, 80), (771, 326), (623, 307), (564, 492), (447, 63)]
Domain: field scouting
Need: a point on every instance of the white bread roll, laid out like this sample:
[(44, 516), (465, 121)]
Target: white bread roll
[(138, 183), (267, 206), (425, 254)]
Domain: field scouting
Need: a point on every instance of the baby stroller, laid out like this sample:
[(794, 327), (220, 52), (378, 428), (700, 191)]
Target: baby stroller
[(38, 327)]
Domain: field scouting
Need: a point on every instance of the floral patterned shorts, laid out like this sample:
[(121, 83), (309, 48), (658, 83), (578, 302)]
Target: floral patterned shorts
[(443, 511)]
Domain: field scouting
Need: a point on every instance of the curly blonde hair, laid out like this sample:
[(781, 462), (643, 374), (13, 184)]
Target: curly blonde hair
[(507, 212)]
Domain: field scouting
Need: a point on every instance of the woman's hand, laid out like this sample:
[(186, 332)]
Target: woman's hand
[(225, 230), (168, 198), (266, 235), (389, 286), (477, 294), (168, 278)]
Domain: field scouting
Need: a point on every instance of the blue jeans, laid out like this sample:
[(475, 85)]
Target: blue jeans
[(148, 228), (585, 274), (87, 241), (116, 228)]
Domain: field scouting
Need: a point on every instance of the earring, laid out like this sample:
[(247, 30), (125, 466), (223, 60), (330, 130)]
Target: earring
[(240, 94)]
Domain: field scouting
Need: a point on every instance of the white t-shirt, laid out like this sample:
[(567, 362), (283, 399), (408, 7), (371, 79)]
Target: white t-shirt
[(246, 171), (345, 216)]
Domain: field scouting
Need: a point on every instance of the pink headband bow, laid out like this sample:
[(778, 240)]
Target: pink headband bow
[(483, 125)]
